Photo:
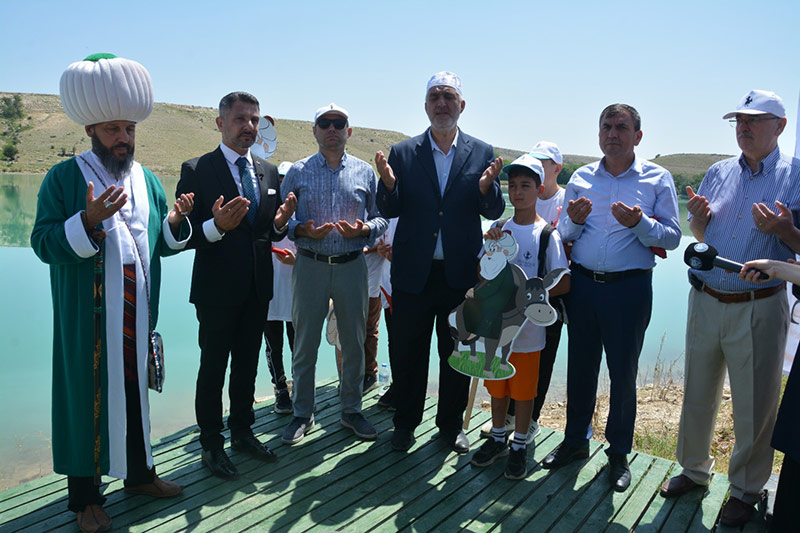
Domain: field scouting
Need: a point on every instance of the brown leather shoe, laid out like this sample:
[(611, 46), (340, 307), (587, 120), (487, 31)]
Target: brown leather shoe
[(677, 486), (94, 518), (159, 488), (736, 513)]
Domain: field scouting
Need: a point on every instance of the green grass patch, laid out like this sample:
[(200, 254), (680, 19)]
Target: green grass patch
[(460, 361)]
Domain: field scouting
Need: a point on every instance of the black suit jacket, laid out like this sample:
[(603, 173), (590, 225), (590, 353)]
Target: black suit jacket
[(227, 271), (423, 211)]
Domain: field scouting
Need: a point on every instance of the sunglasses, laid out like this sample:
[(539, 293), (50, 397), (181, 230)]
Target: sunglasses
[(338, 123)]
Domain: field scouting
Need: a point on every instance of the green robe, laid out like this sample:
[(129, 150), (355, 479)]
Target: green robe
[(483, 314), (61, 198)]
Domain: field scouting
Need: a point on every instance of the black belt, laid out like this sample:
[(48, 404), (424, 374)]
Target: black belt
[(330, 259), (609, 277)]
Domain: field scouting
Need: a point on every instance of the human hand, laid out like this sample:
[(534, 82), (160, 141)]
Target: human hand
[(627, 216), (698, 206), (578, 210), (751, 270), (312, 232), (180, 210), (384, 249), (469, 294), (352, 231), (489, 175), (494, 234), (228, 216), (285, 211), (771, 222), (385, 171), (288, 258), (104, 206)]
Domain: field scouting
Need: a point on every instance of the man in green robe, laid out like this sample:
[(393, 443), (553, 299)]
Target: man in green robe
[(102, 210)]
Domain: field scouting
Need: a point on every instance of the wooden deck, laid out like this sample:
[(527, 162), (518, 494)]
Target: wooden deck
[(332, 481)]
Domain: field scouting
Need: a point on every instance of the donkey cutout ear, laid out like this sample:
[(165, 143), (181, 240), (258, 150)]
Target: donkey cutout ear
[(552, 278)]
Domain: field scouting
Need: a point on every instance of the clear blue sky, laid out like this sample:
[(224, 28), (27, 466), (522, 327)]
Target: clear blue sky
[(530, 70)]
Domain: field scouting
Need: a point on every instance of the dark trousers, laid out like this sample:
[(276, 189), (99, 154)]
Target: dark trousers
[(413, 318), (784, 512), (273, 336), (224, 331), (547, 360), (611, 317), (82, 490)]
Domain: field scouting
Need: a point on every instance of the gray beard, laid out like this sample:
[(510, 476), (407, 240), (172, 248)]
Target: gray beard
[(115, 167), (491, 267)]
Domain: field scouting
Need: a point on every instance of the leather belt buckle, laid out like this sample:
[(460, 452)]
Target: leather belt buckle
[(330, 259), (598, 276)]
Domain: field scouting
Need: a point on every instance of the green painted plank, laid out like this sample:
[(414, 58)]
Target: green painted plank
[(644, 492), (535, 492), (530, 517), (183, 459), (658, 511), (212, 495), (710, 508), (604, 511), (499, 486), (423, 458), (684, 510)]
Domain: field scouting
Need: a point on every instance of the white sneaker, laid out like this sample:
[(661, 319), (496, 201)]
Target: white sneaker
[(486, 429), (533, 431)]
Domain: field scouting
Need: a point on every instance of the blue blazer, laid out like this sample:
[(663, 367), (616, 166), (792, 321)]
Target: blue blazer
[(423, 211)]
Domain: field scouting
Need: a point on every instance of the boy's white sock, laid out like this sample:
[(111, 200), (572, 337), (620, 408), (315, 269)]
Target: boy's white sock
[(499, 434), (518, 442)]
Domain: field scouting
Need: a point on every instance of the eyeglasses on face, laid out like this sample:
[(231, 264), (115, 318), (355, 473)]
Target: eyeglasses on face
[(338, 123), (749, 121)]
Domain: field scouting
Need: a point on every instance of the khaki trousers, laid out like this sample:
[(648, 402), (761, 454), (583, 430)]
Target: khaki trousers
[(748, 339)]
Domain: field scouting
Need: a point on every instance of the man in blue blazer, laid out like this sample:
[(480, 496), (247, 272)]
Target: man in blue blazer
[(438, 184)]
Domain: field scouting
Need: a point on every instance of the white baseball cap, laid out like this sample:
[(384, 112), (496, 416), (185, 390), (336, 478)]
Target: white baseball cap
[(331, 108), (446, 78), (284, 167), (758, 102), (530, 162), (547, 150)]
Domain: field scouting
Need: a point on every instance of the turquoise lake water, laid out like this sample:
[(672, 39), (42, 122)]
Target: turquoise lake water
[(26, 332)]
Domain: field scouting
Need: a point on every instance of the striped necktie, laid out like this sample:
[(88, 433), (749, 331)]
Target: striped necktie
[(248, 188)]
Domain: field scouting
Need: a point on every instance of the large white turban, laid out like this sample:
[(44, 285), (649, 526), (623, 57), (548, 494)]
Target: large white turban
[(103, 87)]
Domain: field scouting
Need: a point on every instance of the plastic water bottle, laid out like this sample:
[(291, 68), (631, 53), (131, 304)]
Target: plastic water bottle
[(384, 377)]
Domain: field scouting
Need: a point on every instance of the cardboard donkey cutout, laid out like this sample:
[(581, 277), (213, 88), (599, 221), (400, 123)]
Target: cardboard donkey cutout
[(495, 310)]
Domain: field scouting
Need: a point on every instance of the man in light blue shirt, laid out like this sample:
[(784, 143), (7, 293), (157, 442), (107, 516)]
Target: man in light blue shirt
[(618, 209), (333, 190), (732, 323)]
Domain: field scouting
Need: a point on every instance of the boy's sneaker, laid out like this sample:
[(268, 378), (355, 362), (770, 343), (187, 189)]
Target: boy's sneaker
[(533, 431), (516, 466), (486, 429), (283, 402), (370, 383), (489, 452)]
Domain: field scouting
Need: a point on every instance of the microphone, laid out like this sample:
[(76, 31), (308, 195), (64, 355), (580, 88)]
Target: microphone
[(702, 256)]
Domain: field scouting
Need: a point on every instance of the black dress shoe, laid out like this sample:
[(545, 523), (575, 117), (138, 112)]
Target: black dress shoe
[(565, 454), (402, 439), (220, 465), (253, 447), (619, 475), (457, 441)]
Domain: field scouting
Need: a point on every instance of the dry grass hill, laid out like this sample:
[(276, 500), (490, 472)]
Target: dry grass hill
[(174, 133)]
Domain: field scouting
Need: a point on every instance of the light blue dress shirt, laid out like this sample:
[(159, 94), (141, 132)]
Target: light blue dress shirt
[(603, 244), (330, 195), (443, 163), (731, 189)]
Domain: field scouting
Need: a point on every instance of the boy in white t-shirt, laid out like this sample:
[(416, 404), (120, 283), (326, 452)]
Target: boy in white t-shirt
[(551, 200), (524, 187)]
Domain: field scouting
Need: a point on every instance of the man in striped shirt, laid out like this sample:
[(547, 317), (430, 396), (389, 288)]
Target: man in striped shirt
[(333, 190), (747, 207)]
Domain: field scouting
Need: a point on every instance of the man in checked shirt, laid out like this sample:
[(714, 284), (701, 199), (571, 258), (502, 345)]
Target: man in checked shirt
[(747, 207), (333, 190)]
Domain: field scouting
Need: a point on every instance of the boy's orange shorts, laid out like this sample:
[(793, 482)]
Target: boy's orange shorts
[(522, 385)]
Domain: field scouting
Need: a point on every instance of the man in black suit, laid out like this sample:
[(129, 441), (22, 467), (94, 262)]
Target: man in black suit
[(438, 184), (237, 215)]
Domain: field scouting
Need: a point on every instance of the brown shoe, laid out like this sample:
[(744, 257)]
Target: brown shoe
[(159, 488), (677, 486), (94, 518), (736, 513)]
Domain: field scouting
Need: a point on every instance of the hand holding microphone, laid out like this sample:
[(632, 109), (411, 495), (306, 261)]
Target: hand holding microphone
[(702, 256)]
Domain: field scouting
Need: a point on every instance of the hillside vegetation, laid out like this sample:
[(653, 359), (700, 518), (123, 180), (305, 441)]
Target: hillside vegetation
[(174, 133)]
